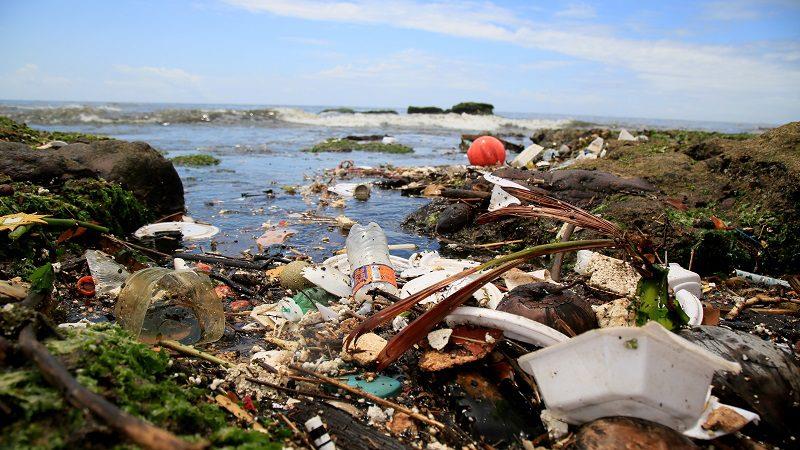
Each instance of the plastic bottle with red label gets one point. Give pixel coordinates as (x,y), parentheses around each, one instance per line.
(368,254)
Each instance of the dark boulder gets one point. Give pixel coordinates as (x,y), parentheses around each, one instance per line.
(473,108)
(454,218)
(425,110)
(136,166)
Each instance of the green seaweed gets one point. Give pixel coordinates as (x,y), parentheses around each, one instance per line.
(13,131)
(197,160)
(143,382)
(346,145)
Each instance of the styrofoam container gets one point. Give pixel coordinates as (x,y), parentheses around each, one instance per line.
(644,372)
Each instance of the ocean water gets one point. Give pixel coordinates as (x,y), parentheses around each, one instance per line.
(260,148)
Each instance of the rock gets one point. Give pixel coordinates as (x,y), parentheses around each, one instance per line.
(769,383)
(136,166)
(454,218)
(630,433)
(551,305)
(365,349)
(425,110)
(6,190)
(473,108)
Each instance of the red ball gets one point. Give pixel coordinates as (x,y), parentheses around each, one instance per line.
(486,151)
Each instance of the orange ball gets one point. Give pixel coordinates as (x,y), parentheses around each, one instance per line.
(486,151)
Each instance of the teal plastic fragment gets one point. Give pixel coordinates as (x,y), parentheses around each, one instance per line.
(381,386)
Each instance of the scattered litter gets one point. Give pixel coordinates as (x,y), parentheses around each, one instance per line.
(158,303)
(438,339)
(761,279)
(190,231)
(319,435)
(527,156)
(108,275)
(624,135)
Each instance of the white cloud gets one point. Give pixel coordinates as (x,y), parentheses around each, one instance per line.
(546,64)
(306,41)
(411,68)
(713,73)
(160,74)
(577,11)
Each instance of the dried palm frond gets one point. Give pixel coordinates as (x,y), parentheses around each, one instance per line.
(637,246)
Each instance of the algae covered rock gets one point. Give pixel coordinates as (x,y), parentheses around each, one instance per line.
(135,166)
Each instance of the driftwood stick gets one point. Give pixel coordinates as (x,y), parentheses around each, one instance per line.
(191,351)
(135,429)
(291,390)
(368,396)
(558,259)
(741,305)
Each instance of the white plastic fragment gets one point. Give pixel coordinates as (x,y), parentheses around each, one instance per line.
(624,135)
(438,339)
(679,278)
(328,278)
(596,146)
(513,326)
(526,156)
(556,429)
(691,305)
(645,372)
(501,199)
(190,230)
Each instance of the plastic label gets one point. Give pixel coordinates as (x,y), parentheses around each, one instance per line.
(372,273)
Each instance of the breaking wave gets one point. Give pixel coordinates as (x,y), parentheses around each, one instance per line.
(77,114)
(449,121)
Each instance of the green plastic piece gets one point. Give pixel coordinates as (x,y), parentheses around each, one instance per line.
(652,297)
(381,386)
(306,298)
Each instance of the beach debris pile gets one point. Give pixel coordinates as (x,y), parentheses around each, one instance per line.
(586,339)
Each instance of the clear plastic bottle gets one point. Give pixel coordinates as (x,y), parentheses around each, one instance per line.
(368,254)
(181,305)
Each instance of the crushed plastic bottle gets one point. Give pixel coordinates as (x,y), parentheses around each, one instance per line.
(181,305)
(107,274)
(368,255)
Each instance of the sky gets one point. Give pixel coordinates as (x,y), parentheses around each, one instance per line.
(733,61)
